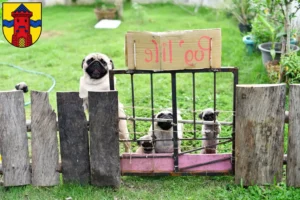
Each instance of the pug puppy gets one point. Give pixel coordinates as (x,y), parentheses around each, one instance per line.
(22,86)
(164,130)
(145,147)
(210,132)
(95,77)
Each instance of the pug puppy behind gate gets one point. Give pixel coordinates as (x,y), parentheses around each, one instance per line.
(164,130)
(96,68)
(145,145)
(210,132)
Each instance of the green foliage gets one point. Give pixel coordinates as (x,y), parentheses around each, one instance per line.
(160,188)
(242,10)
(140,12)
(268,23)
(291,66)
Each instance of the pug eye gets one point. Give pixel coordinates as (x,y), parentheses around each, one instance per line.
(89,61)
(103,62)
(160,115)
(170,115)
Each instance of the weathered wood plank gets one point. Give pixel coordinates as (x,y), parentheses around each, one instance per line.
(13,139)
(259,134)
(73,132)
(44,143)
(104,138)
(293,160)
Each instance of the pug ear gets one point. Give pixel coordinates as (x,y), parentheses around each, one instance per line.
(17,86)
(82,63)
(112,64)
(217,113)
(201,115)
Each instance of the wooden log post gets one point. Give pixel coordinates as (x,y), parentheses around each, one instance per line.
(104,138)
(44,143)
(74,144)
(259,134)
(293,160)
(13,139)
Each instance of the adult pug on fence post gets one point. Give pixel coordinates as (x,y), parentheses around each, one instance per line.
(96,68)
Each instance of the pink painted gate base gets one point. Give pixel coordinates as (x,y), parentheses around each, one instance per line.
(189,164)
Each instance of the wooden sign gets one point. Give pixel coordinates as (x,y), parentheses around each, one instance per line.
(175,50)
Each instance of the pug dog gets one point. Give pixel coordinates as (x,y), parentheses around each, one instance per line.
(210,132)
(22,86)
(145,145)
(164,130)
(95,77)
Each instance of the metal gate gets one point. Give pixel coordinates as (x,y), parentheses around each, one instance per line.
(177,155)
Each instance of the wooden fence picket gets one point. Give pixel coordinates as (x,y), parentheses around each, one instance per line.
(43,141)
(104,138)
(73,132)
(13,139)
(293,160)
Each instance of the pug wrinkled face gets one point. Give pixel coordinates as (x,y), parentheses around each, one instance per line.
(208,115)
(147,146)
(96,68)
(165,125)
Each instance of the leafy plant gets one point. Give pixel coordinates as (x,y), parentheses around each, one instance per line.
(271,30)
(242,10)
(139,12)
(291,66)
(276,15)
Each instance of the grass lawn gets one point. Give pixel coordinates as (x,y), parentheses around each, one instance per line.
(68,35)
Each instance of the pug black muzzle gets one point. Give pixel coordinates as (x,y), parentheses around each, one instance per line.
(96,68)
(165,125)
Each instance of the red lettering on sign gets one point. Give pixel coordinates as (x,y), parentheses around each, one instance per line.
(170,51)
(181,42)
(209,45)
(164,52)
(202,56)
(156,50)
(190,56)
(148,51)
(208,41)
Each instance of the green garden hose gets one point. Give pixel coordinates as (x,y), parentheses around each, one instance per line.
(33,72)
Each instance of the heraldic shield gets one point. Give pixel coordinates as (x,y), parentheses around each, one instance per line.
(22,23)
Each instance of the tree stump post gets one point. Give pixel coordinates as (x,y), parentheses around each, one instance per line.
(104,138)
(13,139)
(259,134)
(293,160)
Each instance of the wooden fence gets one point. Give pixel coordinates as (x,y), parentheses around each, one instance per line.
(94,158)
(259,138)
(97,163)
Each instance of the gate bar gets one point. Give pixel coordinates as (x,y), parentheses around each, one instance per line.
(175,123)
(133,106)
(236,80)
